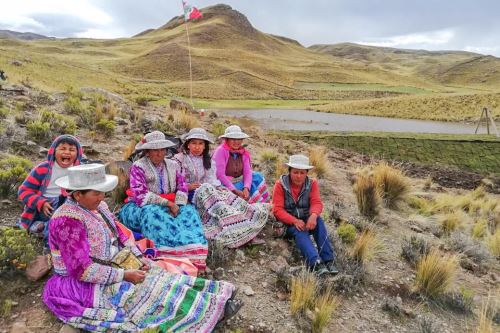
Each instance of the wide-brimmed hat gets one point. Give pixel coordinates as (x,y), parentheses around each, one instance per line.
(154,140)
(234,132)
(299,162)
(197,133)
(88,177)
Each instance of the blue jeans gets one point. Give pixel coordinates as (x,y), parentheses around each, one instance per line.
(324,251)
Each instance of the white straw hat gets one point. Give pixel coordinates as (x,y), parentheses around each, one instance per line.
(234,132)
(88,177)
(197,133)
(154,140)
(299,162)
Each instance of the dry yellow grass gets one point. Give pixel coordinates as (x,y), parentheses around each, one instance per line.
(392,183)
(303,291)
(451,221)
(184,121)
(485,323)
(318,157)
(493,243)
(422,205)
(479,229)
(325,305)
(367,195)
(435,273)
(365,246)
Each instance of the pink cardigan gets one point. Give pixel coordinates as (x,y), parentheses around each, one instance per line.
(220,158)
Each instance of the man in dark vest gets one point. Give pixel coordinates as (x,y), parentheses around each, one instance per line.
(297,203)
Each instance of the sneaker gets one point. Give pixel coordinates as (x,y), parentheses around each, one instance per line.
(332,268)
(320,269)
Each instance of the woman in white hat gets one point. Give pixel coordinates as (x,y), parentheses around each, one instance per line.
(297,203)
(93,289)
(157,207)
(234,169)
(226,218)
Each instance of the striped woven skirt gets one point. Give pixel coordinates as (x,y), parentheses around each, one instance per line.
(258,189)
(180,236)
(169,302)
(228,218)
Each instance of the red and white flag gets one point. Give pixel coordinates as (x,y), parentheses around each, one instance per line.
(190,12)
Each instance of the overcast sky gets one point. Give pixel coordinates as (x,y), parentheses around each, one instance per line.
(421,24)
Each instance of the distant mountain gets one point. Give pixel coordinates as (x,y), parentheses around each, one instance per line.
(21,35)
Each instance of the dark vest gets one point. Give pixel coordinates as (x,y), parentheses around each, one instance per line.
(299,209)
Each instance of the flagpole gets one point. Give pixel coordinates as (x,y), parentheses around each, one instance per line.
(190,66)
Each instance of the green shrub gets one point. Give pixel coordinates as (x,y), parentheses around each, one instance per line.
(3,112)
(17,248)
(218,129)
(38,131)
(73,105)
(106,127)
(72,92)
(13,170)
(347,232)
(59,124)
(142,100)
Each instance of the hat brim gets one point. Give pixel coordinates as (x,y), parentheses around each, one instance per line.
(160,144)
(197,136)
(300,166)
(108,185)
(234,136)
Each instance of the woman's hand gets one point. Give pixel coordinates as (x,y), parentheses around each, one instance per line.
(300,225)
(193,186)
(311,222)
(146,265)
(246,194)
(173,208)
(134,276)
(47,209)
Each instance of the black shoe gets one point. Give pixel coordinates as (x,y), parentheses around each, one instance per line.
(320,269)
(332,268)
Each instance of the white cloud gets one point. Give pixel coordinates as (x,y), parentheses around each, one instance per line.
(433,38)
(99,33)
(484,49)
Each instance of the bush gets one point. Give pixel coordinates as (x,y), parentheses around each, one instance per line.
(17,249)
(414,248)
(73,105)
(303,289)
(451,221)
(422,205)
(183,121)
(59,124)
(269,164)
(392,184)
(365,246)
(106,127)
(39,131)
(13,171)
(435,273)
(318,157)
(347,232)
(367,196)
(218,129)
(325,305)
(479,229)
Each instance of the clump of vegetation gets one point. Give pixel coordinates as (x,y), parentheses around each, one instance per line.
(49,125)
(3,112)
(493,243)
(451,221)
(218,254)
(13,170)
(17,249)
(365,246)
(119,169)
(347,232)
(39,131)
(392,184)
(435,273)
(367,195)
(303,288)
(183,121)
(143,100)
(325,305)
(270,164)
(459,242)
(5,308)
(414,248)
(318,157)
(479,229)
(485,323)
(106,127)
(73,105)
(426,325)
(461,301)
(217,129)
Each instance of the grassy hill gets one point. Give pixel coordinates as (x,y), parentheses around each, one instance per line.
(231,60)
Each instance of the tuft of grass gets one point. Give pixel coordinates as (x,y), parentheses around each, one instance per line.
(303,288)
(422,205)
(347,232)
(106,127)
(13,170)
(6,308)
(426,325)
(479,229)
(121,170)
(218,254)
(451,221)
(485,323)
(325,305)
(183,121)
(269,161)
(318,157)
(218,129)
(365,246)
(367,196)
(493,243)
(435,273)
(414,248)
(393,185)
(461,301)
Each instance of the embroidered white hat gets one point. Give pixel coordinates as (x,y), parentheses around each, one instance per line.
(88,177)
(299,162)
(234,132)
(154,140)
(197,133)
